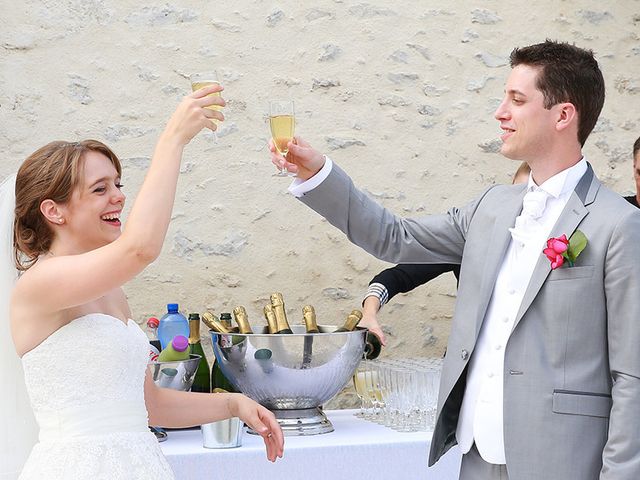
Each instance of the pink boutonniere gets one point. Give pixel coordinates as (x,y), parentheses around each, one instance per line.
(560,249)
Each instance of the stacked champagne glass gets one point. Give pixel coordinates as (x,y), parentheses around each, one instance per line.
(400,393)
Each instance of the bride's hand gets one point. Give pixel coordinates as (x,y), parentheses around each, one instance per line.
(261,421)
(192,114)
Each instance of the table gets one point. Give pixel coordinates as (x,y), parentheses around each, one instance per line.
(356,450)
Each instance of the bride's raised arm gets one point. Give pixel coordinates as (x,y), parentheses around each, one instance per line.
(74,242)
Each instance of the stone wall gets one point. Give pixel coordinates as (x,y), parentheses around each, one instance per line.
(400,94)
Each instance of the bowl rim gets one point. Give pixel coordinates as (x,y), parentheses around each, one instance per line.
(303,334)
(192,356)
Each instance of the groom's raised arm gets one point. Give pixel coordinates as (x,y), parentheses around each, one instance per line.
(429,239)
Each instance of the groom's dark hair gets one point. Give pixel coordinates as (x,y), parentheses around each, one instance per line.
(567,74)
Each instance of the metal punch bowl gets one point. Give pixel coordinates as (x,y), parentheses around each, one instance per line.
(291,374)
(177,375)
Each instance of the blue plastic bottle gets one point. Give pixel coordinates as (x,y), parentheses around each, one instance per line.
(172,323)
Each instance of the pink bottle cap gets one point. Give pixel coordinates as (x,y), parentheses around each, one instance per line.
(180,343)
(153,322)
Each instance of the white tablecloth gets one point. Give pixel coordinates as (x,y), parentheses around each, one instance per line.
(356,450)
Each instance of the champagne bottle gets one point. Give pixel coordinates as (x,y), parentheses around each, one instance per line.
(277,303)
(214,323)
(242,320)
(271,318)
(372,347)
(202,380)
(178,349)
(352,322)
(218,380)
(225,318)
(309,315)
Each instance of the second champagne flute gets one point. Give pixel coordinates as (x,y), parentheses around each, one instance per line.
(283,123)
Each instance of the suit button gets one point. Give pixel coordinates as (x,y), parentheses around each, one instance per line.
(464,354)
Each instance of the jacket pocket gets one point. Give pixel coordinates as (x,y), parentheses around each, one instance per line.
(567,272)
(582,403)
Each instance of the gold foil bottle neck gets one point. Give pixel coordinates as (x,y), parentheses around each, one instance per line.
(194,328)
(277,299)
(214,323)
(309,316)
(352,321)
(240,310)
(225,318)
(277,303)
(271,318)
(240,314)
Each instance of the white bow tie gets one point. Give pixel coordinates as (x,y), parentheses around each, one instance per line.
(533,205)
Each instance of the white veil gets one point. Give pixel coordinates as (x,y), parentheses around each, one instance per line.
(18,429)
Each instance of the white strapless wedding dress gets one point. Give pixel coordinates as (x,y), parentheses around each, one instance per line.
(86,385)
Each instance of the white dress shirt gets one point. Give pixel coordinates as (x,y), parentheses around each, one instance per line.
(482,405)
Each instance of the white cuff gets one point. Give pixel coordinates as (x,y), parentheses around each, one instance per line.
(299,187)
(377,290)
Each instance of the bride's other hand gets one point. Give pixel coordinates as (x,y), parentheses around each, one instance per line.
(262,421)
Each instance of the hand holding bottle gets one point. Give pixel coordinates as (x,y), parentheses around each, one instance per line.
(302,159)
(370,308)
(261,421)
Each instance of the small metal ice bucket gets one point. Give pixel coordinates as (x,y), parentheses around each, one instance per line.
(223,433)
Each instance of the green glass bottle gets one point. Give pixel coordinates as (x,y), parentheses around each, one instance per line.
(218,380)
(202,380)
(372,347)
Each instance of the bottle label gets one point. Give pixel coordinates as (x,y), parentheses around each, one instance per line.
(153,353)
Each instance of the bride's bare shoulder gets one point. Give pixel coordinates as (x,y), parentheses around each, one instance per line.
(29,320)
(26,285)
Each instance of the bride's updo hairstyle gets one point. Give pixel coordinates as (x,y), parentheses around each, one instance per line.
(51,172)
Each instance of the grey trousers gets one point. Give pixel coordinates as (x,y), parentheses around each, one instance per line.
(475,468)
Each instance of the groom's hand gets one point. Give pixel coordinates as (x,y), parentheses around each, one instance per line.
(302,159)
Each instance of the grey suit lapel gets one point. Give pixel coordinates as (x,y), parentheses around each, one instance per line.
(567,223)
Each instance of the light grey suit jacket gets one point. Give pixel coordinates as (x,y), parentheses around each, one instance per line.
(572,362)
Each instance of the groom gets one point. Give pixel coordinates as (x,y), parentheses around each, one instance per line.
(542,373)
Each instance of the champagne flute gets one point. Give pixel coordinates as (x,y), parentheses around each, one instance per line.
(360,385)
(282,122)
(205,79)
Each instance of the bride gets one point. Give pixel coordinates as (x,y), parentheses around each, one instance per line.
(84,360)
